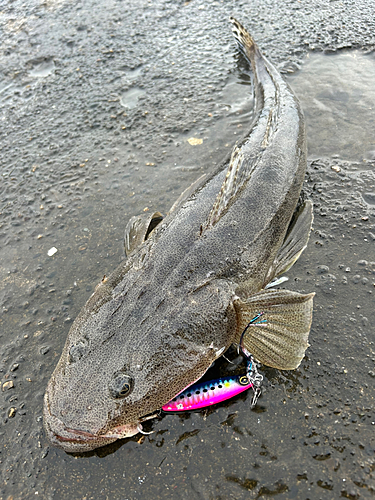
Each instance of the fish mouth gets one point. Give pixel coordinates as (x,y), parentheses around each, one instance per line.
(78,440)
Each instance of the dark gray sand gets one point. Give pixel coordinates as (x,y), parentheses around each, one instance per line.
(98,103)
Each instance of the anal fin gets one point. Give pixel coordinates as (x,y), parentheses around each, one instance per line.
(275,326)
(295,241)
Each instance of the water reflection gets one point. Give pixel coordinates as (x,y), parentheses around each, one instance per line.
(338,98)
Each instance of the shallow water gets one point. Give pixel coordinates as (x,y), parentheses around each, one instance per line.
(338,97)
(76,165)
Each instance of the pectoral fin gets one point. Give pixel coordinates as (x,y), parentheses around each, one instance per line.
(295,241)
(275,326)
(138,230)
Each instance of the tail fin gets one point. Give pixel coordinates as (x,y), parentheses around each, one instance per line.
(244,40)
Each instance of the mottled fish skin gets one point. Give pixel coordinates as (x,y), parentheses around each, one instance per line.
(156,324)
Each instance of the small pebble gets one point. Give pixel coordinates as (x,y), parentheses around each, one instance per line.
(8,385)
(362,262)
(12,411)
(52,251)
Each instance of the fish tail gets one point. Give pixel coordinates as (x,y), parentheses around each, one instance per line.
(244,40)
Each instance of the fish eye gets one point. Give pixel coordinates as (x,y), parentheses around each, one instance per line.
(120,386)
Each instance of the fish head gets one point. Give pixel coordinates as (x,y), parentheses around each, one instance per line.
(113,374)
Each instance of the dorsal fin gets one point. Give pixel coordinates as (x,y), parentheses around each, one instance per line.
(247,155)
(234,180)
(188,191)
(138,230)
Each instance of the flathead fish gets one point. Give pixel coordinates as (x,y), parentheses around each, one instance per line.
(193,282)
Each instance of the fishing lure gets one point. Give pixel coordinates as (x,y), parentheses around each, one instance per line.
(205,394)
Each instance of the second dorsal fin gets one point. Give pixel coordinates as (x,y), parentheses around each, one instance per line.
(234,180)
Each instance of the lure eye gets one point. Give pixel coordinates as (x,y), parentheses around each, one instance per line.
(120,386)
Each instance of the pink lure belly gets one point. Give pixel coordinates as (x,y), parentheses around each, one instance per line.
(208,393)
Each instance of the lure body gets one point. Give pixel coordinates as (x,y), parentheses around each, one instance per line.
(205,394)
(208,393)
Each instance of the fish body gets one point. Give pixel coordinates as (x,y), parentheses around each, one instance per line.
(193,282)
